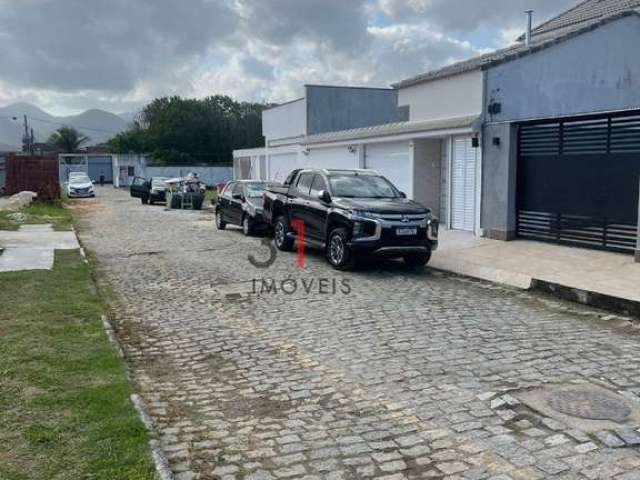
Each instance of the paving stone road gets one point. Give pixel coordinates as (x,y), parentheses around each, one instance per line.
(394,375)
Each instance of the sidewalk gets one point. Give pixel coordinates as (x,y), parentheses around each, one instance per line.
(610,280)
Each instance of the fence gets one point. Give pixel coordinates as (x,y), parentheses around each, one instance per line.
(211,175)
(638,240)
(3,159)
(33,173)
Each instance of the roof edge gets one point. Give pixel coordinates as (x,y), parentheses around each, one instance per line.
(542,45)
(537,27)
(408,127)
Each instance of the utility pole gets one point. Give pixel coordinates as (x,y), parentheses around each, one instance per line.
(28,138)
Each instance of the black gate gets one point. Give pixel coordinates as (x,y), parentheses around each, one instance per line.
(578,181)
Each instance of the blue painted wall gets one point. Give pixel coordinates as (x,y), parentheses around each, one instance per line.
(596,71)
(331,109)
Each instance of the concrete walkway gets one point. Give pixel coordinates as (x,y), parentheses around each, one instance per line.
(521,263)
(32,247)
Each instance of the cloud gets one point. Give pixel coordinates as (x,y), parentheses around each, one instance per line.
(470,15)
(72,45)
(69,55)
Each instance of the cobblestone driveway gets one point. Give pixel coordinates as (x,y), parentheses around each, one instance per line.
(410,375)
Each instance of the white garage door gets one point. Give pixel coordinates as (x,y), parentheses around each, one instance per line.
(392,161)
(463,184)
(334,157)
(281,165)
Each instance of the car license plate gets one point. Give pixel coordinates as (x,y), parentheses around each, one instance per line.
(406,232)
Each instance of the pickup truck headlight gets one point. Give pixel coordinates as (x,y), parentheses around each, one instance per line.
(433,225)
(363,229)
(364,214)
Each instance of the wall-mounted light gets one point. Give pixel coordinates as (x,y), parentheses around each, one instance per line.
(306,151)
(494,108)
(496,141)
(475,142)
(352,149)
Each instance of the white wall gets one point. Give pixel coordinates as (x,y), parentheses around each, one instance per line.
(280,165)
(332,157)
(208,174)
(450,97)
(285,121)
(393,161)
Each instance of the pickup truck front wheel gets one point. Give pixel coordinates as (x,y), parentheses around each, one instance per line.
(418,260)
(280,235)
(247,226)
(220,223)
(338,252)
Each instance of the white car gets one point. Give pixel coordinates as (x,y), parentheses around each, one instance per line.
(80,186)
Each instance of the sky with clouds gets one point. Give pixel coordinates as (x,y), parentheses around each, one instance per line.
(69,55)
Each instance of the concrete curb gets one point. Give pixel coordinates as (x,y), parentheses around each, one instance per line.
(482,272)
(610,303)
(521,281)
(160,461)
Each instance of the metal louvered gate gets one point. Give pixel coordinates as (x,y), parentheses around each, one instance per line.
(578,181)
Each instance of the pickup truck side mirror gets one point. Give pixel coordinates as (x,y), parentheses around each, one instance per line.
(324,196)
(403,195)
(237,196)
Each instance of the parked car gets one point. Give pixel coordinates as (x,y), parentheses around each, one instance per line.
(149,190)
(350,213)
(80,186)
(76,174)
(240,203)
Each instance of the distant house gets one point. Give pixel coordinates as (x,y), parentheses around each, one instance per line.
(540,140)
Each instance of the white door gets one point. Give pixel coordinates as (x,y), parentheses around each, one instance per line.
(463,184)
(391,160)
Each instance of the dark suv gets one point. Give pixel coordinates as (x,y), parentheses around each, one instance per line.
(148,190)
(240,203)
(350,213)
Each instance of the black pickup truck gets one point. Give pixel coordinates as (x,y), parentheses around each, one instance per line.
(350,213)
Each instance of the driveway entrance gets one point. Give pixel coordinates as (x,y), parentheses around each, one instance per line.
(578,181)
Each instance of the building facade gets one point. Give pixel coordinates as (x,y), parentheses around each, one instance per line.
(540,140)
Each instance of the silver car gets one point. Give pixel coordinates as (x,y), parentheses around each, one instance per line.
(80,186)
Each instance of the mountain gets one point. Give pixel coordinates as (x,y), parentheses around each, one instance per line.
(128,117)
(98,125)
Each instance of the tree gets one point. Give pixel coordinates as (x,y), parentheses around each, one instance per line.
(67,140)
(133,140)
(193,131)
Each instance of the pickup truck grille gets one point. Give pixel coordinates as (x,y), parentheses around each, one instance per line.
(398,217)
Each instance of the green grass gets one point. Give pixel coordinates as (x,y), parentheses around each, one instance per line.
(64,399)
(38,212)
(211,195)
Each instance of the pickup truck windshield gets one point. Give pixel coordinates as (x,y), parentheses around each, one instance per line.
(255,189)
(362,186)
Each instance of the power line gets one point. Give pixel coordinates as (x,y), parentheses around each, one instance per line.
(63,124)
